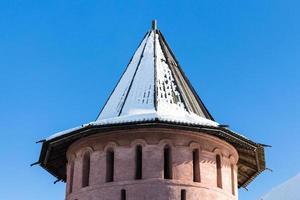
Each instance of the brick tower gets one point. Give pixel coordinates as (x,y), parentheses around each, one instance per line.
(153,140)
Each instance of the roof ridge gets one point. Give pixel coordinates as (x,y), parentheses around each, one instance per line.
(145,35)
(140,59)
(154,84)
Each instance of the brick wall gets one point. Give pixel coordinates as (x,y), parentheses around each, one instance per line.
(152,186)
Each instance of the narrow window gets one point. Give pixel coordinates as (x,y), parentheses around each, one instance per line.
(86,170)
(183,195)
(167,163)
(232,180)
(110,165)
(219,171)
(123,194)
(196,166)
(71,178)
(138,162)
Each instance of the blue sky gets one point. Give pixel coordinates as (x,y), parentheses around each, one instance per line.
(59,61)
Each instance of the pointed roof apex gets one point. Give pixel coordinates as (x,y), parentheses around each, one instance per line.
(154,24)
(154,88)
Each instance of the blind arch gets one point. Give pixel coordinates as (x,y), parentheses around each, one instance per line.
(110,165)
(86,169)
(167,162)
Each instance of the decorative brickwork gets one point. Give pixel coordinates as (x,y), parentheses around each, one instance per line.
(152,186)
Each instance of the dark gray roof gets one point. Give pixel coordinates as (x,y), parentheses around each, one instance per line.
(152,85)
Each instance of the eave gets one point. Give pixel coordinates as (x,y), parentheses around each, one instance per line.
(251,163)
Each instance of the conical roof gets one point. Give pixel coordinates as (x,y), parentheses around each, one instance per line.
(153,92)
(154,87)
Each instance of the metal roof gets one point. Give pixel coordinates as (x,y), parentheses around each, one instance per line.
(154,91)
(153,86)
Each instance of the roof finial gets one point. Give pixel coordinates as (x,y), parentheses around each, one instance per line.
(154,24)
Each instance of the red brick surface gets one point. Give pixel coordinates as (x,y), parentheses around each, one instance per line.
(152,186)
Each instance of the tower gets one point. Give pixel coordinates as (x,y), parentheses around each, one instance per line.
(154,139)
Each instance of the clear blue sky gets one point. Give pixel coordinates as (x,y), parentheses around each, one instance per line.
(59,61)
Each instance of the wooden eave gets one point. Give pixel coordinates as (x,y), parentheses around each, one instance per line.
(251,162)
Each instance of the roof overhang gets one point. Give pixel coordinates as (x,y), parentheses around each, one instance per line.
(251,155)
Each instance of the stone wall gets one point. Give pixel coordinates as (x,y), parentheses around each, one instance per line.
(152,186)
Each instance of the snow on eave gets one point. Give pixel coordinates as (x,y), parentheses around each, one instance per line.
(61,133)
(134,119)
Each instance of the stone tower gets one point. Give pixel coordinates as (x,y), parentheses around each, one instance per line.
(153,140)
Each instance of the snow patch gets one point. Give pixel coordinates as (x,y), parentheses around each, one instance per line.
(133,99)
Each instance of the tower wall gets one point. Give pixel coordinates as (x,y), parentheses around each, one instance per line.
(153,185)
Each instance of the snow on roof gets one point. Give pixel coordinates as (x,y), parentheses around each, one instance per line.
(149,88)
(181,118)
(153,87)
